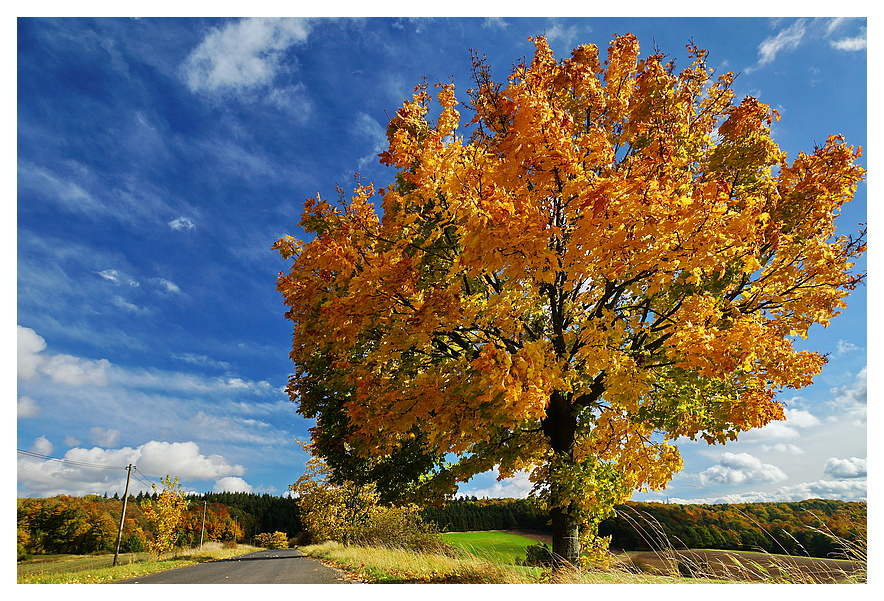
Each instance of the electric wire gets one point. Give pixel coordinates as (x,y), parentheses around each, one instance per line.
(103,466)
(146,480)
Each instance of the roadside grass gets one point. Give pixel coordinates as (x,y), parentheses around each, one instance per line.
(471,565)
(97,569)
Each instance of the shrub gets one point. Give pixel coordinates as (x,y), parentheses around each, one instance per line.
(538,555)
(277,540)
(400,528)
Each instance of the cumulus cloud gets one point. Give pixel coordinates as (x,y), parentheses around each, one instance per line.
(30,345)
(232,484)
(42,446)
(852,467)
(740,468)
(27,407)
(98,470)
(62,369)
(517,487)
(66,369)
(242,54)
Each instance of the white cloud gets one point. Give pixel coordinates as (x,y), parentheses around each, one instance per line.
(783,448)
(42,446)
(787,39)
(368,128)
(232,484)
(104,437)
(850,400)
(854,44)
(166,285)
(118,278)
(73,371)
(27,407)
(183,459)
(242,54)
(845,347)
(739,469)
(99,470)
(30,344)
(122,303)
(182,223)
(777,432)
(853,467)
(494,22)
(62,369)
(517,487)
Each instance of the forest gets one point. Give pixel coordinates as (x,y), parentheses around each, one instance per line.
(89,524)
(816,528)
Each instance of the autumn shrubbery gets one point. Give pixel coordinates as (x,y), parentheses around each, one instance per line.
(276,540)
(400,528)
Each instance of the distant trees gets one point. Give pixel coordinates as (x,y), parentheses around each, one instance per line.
(65,524)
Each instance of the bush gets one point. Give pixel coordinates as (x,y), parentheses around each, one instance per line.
(538,555)
(277,540)
(400,528)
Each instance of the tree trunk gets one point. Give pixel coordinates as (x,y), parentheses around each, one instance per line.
(559,425)
(565,540)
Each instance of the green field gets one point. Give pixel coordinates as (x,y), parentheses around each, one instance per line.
(500,547)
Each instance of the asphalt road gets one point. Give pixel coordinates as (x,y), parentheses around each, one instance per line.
(277,566)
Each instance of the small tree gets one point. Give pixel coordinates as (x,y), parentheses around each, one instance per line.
(165,515)
(331,511)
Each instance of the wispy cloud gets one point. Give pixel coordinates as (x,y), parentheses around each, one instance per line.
(242,54)
(785,40)
(182,223)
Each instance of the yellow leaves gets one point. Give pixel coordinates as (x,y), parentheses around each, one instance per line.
(596,244)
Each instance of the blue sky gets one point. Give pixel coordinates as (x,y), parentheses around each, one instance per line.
(159,159)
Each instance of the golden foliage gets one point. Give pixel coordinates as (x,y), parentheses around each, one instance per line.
(617,256)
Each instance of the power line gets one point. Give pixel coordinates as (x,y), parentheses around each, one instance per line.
(71,461)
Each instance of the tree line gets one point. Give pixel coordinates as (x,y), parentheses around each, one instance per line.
(817,527)
(89,524)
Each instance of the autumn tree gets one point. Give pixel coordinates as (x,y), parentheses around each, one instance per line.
(609,255)
(166,515)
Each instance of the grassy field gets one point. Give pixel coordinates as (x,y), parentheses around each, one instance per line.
(98,569)
(500,547)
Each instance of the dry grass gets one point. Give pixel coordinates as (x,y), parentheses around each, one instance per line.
(98,569)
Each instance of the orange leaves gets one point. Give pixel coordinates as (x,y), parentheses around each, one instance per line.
(593,273)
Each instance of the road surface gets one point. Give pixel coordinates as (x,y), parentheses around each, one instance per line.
(276,566)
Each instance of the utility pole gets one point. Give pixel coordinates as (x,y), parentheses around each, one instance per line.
(129,469)
(203,527)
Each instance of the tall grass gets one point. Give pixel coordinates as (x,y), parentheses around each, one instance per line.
(671,557)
